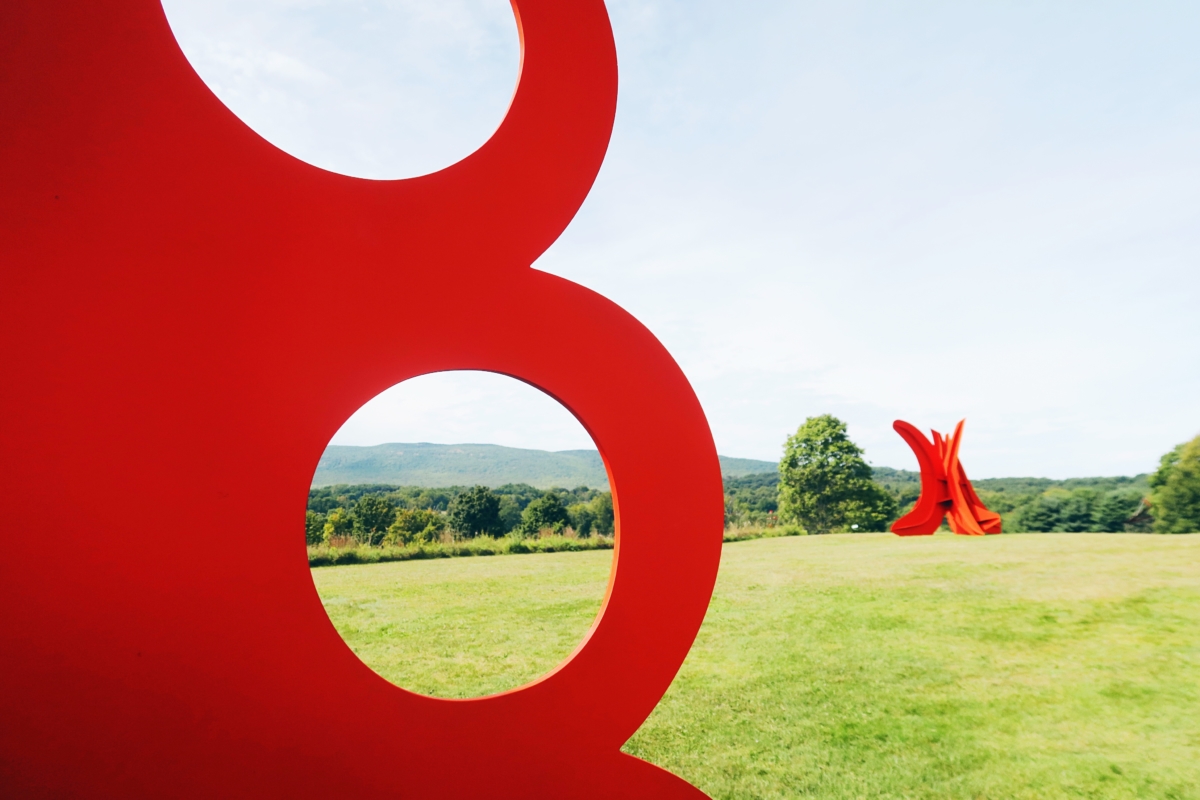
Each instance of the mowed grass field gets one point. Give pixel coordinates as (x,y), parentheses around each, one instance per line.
(1016,666)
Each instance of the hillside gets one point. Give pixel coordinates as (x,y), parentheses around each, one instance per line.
(439,465)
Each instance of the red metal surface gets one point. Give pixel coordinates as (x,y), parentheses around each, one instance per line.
(946,493)
(188,314)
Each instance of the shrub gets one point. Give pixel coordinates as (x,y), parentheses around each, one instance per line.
(744,533)
(326,555)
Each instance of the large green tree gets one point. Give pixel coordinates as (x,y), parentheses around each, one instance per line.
(824,483)
(1176,485)
(373,513)
(339,524)
(545,513)
(415,525)
(595,517)
(314,527)
(476,511)
(603,516)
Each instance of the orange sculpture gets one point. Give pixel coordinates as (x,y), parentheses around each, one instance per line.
(945,490)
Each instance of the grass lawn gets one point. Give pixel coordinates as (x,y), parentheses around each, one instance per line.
(1023,666)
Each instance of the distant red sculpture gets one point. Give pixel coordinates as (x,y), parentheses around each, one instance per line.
(187,315)
(945,491)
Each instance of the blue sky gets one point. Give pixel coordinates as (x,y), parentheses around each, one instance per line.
(924,211)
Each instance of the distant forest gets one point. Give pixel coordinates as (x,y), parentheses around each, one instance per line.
(414,513)
(1033,505)
(399,515)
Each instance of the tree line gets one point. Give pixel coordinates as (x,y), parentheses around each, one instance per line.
(824,485)
(381,514)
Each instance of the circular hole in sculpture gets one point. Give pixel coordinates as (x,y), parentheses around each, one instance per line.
(372,90)
(460,531)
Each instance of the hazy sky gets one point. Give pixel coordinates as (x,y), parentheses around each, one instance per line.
(919,210)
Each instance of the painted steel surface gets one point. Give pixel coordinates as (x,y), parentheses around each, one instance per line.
(946,493)
(187,316)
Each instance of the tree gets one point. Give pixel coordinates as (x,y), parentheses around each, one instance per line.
(1039,515)
(1176,485)
(373,514)
(314,527)
(415,525)
(824,483)
(1075,513)
(751,499)
(1114,511)
(582,519)
(510,512)
(594,517)
(547,512)
(603,517)
(476,511)
(339,524)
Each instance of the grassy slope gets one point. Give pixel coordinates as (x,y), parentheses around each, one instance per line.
(855,666)
(440,465)
(474,627)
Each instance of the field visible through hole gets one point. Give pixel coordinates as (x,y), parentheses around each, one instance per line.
(465,627)
(453,568)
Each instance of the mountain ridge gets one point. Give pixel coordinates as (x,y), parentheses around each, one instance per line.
(440,465)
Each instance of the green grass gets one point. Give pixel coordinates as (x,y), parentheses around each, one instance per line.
(465,627)
(1023,666)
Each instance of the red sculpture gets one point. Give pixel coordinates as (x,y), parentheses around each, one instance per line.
(187,315)
(945,490)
